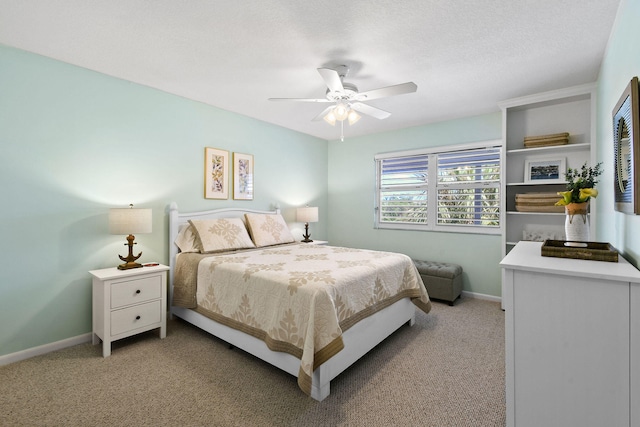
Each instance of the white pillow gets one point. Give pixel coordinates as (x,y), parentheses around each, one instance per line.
(268,229)
(222,234)
(187,240)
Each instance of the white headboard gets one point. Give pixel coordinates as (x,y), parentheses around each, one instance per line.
(176,219)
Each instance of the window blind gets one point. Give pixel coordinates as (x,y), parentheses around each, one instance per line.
(403,189)
(468,188)
(443,190)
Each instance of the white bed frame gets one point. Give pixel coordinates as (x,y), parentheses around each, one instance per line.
(358,340)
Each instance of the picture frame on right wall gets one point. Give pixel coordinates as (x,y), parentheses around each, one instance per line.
(626,126)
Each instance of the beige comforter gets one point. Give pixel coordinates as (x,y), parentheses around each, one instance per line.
(298,298)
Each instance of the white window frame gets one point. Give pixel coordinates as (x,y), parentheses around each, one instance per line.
(432,190)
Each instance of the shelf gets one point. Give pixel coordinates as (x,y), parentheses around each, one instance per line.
(552,149)
(535,213)
(535,184)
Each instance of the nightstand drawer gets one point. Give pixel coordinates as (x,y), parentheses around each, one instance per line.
(135,291)
(139,316)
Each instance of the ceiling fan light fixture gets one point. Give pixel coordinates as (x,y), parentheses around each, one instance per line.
(341,111)
(330,118)
(348,100)
(353,117)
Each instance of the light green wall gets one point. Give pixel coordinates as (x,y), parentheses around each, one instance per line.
(621,63)
(351,201)
(75,143)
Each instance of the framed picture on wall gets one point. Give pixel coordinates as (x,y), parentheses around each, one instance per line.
(216,173)
(626,128)
(242,176)
(545,170)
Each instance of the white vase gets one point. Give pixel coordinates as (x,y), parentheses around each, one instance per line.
(576,223)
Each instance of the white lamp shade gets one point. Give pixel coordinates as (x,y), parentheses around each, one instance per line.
(330,118)
(341,111)
(307,214)
(129,221)
(353,117)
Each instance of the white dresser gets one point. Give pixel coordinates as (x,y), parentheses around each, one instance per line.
(572,334)
(127,302)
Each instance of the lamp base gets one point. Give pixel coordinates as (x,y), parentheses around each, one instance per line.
(130,260)
(128,265)
(306,234)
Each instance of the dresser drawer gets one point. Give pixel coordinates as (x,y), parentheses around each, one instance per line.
(132,318)
(135,291)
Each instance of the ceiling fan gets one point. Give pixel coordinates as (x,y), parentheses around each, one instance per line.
(347,101)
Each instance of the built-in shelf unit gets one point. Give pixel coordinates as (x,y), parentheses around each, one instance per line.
(569,110)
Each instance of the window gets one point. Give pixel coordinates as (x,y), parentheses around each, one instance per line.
(456,190)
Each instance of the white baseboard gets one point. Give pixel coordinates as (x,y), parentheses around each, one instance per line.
(481,296)
(81,339)
(43,349)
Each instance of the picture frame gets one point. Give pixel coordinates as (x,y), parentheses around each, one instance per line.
(545,170)
(626,152)
(216,173)
(243,178)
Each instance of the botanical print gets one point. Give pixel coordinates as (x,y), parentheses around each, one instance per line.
(216,167)
(217,174)
(242,176)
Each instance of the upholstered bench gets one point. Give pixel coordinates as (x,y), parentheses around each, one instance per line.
(442,280)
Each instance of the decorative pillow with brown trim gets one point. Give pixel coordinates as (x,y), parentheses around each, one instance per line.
(268,229)
(222,234)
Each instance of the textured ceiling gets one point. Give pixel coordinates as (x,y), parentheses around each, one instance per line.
(465,56)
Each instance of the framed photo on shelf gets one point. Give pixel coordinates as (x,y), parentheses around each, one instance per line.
(626,150)
(545,170)
(242,176)
(216,173)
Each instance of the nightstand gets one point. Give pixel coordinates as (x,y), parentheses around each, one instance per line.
(128,302)
(319,242)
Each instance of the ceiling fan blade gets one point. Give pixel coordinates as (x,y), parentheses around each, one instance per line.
(300,99)
(321,115)
(370,111)
(384,92)
(331,79)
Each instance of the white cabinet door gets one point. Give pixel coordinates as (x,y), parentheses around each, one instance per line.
(571,350)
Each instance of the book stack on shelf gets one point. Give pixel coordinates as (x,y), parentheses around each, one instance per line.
(546,140)
(538,202)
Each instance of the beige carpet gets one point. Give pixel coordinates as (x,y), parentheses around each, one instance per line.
(446,370)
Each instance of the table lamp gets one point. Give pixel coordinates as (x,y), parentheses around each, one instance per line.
(307,215)
(128,221)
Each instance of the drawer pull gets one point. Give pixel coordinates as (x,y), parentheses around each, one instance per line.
(138,291)
(137,317)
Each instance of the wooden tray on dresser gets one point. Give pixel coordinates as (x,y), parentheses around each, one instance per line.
(594,251)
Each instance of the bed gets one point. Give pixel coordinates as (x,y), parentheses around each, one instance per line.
(310,310)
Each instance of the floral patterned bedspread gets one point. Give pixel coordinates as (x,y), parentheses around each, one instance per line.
(300,298)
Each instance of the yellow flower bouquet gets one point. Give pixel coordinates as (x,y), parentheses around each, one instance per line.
(580,185)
